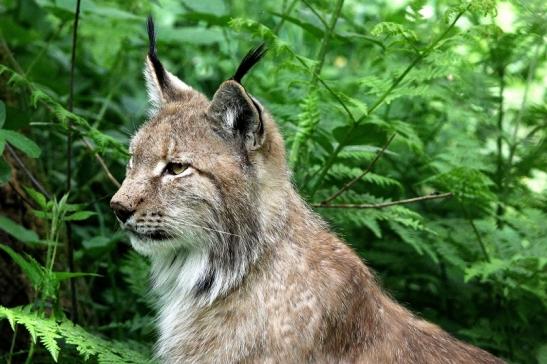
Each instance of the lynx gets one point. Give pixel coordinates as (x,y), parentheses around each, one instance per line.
(243,270)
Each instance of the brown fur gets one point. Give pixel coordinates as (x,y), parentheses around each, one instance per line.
(249,273)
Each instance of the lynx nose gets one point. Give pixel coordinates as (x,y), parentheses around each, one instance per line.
(122,212)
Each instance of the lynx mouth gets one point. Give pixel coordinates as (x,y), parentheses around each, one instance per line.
(157,235)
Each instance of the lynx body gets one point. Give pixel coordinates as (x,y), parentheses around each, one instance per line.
(244,270)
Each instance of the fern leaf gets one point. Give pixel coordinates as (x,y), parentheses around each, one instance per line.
(88,345)
(38,95)
(392,29)
(307,121)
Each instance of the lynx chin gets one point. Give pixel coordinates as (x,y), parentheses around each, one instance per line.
(244,271)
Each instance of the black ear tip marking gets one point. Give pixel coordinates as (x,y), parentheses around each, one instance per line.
(251,58)
(151,36)
(152,56)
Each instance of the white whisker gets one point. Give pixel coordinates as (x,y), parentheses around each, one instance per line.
(184,223)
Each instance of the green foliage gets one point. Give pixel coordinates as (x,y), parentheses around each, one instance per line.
(20,142)
(17,231)
(50,331)
(460,85)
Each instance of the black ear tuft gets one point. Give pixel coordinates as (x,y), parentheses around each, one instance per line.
(251,58)
(158,67)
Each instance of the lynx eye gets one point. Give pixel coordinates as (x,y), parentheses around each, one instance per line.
(176,168)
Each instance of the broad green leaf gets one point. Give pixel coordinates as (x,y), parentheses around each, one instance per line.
(63,202)
(542,354)
(366,134)
(39,198)
(46,215)
(30,267)
(17,231)
(21,142)
(97,242)
(70,207)
(80,215)
(61,276)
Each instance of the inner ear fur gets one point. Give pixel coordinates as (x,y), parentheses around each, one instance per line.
(238,113)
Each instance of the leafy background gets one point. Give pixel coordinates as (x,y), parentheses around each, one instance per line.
(406,98)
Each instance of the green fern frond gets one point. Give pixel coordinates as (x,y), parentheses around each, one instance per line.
(414,239)
(135,269)
(308,119)
(38,95)
(391,29)
(470,186)
(44,329)
(344,172)
(262,32)
(88,345)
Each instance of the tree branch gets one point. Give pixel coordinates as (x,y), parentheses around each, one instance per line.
(21,195)
(102,163)
(365,172)
(27,171)
(432,196)
(476,232)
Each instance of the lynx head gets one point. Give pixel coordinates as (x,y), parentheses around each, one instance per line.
(203,173)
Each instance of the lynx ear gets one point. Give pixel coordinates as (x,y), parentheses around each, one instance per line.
(237,111)
(162,86)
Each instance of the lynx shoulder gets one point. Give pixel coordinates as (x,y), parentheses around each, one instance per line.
(244,270)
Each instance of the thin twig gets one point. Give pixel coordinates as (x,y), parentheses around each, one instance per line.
(316,13)
(328,88)
(70,107)
(476,232)
(432,196)
(294,153)
(102,163)
(9,55)
(27,171)
(365,172)
(21,196)
(44,49)
(34,181)
(329,30)
(286,13)
(499,142)
(12,346)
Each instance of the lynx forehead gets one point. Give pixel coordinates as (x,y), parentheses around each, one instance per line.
(243,270)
